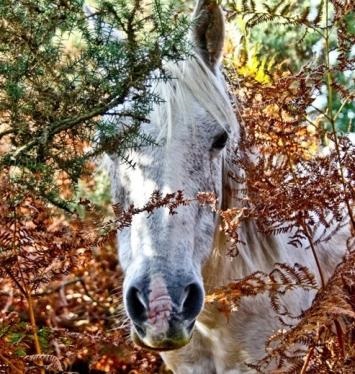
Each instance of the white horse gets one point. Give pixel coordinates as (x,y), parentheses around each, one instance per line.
(171,261)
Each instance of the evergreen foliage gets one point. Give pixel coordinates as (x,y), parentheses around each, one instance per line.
(59,74)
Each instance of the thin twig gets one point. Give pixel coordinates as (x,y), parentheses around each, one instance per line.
(310,240)
(27,294)
(34,329)
(304,224)
(306,362)
(340,336)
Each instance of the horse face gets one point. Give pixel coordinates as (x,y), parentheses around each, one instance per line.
(162,254)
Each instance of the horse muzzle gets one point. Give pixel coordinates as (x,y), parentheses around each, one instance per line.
(175,337)
(163,311)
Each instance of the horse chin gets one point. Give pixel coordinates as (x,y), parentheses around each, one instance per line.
(161,345)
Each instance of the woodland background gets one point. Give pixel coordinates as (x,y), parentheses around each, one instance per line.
(290,68)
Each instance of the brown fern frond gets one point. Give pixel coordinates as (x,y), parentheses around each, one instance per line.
(279,281)
(326,329)
(50,362)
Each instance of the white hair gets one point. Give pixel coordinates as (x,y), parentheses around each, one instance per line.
(192,77)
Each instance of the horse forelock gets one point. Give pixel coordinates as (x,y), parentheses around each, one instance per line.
(192,78)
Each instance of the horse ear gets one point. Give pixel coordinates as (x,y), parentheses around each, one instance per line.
(208,31)
(97,25)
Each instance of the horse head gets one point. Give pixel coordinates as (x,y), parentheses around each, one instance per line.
(162,255)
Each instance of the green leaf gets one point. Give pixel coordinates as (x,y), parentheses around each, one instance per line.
(20,351)
(16,337)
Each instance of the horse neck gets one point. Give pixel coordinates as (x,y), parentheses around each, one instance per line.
(259,252)
(255,250)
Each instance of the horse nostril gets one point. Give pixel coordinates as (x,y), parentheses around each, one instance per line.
(136,306)
(193,301)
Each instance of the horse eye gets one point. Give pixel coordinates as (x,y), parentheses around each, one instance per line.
(220,141)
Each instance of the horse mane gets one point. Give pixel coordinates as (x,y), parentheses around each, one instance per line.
(187,79)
